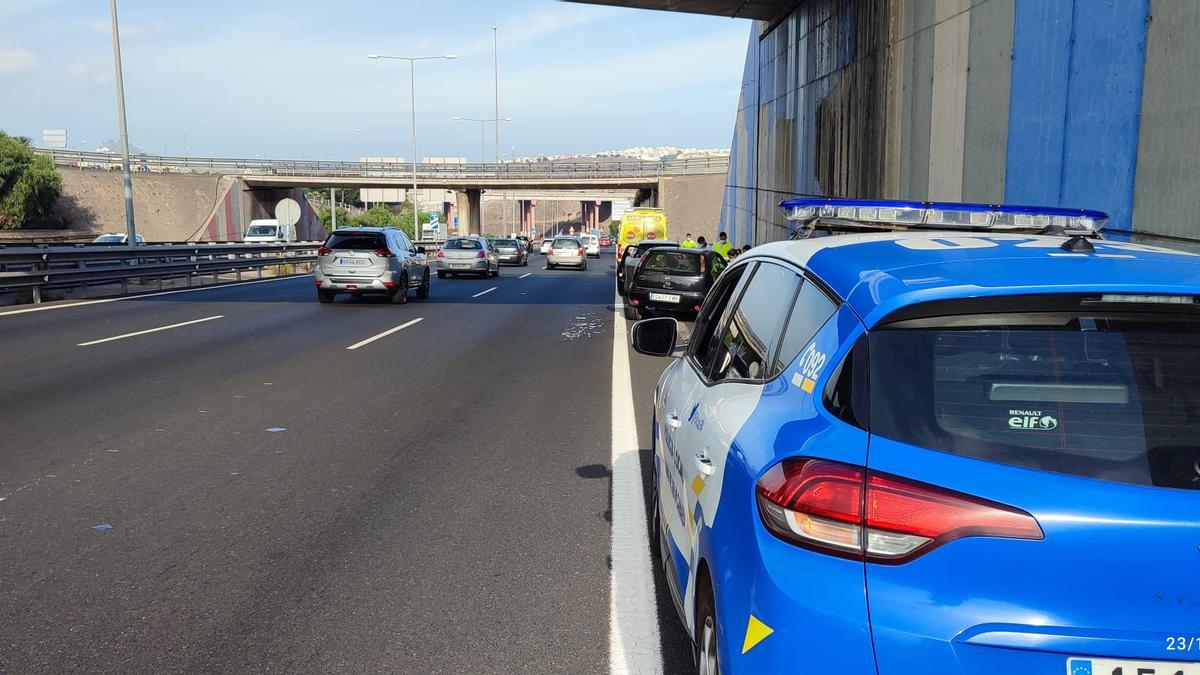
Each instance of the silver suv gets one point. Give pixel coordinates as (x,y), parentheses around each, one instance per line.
(362,260)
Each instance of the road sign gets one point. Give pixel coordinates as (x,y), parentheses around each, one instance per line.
(54,138)
(433,218)
(287,212)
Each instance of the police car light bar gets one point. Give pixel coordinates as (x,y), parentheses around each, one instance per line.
(892,214)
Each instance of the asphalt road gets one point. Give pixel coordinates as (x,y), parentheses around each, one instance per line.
(434,501)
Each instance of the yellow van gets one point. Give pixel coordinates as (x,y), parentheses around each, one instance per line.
(638,224)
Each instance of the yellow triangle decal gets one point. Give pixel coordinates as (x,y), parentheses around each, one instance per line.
(697,485)
(756,632)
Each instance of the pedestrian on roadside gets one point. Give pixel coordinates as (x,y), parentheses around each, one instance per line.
(701,244)
(688,242)
(746,248)
(723,246)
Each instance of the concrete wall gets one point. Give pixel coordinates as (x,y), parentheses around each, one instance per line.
(1168,161)
(167,207)
(692,204)
(1089,103)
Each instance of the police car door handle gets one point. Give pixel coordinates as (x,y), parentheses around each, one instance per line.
(704,464)
(673,420)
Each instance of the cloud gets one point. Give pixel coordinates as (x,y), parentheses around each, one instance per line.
(96,77)
(13,61)
(129,30)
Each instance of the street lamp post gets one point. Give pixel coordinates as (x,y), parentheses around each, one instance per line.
(126,177)
(482,123)
(412,71)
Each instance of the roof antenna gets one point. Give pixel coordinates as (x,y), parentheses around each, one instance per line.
(1078,244)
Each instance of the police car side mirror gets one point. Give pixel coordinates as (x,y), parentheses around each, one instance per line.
(656,337)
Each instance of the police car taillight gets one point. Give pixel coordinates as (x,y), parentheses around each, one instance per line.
(846,510)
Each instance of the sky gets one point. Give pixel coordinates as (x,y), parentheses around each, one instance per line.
(291,79)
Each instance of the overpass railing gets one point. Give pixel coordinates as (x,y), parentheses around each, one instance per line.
(601,168)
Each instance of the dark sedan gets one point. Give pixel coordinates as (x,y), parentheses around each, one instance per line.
(672,281)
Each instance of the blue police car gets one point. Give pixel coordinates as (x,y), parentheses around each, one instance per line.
(964,439)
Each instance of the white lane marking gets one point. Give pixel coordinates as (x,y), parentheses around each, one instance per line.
(485,292)
(151,330)
(527,274)
(633,613)
(83,303)
(385,333)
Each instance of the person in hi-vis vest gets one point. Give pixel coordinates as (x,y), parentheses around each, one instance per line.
(722,246)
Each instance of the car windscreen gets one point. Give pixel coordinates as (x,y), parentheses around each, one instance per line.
(262,230)
(109,239)
(1108,396)
(356,241)
(671,262)
(464,244)
(565,243)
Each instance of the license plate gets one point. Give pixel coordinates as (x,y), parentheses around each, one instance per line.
(1088,666)
(461,265)
(353,261)
(664,297)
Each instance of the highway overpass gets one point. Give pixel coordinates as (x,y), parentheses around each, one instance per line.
(256,185)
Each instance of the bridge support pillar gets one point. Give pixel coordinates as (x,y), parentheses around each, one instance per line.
(528,215)
(449,211)
(470,212)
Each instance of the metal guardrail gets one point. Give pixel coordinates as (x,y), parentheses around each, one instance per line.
(326,168)
(42,266)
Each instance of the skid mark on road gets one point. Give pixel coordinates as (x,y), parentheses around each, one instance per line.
(633,611)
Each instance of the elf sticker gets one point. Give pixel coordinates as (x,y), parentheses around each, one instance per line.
(1031,420)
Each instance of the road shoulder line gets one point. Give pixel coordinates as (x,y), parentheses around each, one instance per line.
(633,612)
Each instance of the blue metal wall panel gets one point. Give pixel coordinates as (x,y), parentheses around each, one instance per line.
(1075,104)
(1104,103)
(1038,101)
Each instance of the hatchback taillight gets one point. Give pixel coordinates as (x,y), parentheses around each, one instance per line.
(481,254)
(324,250)
(441,254)
(846,510)
(581,251)
(383,253)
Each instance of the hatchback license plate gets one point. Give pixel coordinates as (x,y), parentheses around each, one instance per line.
(664,297)
(1088,666)
(461,265)
(353,261)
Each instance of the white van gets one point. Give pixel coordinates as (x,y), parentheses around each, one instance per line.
(269,231)
(592,243)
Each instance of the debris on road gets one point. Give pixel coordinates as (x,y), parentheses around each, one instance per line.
(276,430)
(102,527)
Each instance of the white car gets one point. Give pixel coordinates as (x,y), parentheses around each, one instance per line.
(546,244)
(117,238)
(591,243)
(269,231)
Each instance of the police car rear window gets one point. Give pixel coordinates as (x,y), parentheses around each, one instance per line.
(1108,396)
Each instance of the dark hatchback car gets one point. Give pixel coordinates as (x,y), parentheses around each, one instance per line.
(672,281)
(629,258)
(512,252)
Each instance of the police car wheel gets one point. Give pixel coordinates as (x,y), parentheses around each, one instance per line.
(708,660)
